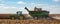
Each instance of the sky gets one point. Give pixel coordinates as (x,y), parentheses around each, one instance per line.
(12,6)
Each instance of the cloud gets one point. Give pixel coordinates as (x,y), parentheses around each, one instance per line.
(2,4)
(56,0)
(11,9)
(4,9)
(21,2)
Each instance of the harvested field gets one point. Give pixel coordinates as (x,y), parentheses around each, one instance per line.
(41,21)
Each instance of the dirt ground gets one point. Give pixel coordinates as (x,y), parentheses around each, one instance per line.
(41,21)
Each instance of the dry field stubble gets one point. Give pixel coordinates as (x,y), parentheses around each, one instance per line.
(41,21)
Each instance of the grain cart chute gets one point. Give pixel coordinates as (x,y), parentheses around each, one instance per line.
(38,12)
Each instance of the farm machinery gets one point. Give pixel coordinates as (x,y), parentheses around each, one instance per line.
(38,13)
(16,16)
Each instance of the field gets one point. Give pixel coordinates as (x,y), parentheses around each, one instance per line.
(41,21)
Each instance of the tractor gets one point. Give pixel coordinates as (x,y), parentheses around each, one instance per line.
(16,16)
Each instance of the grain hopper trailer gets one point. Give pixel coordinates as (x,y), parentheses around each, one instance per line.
(38,13)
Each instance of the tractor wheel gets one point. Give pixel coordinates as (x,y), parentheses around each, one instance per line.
(12,17)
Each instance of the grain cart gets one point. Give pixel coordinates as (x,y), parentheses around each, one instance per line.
(38,13)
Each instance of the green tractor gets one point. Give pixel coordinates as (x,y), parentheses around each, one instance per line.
(16,16)
(38,13)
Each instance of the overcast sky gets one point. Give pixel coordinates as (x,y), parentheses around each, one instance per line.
(12,6)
